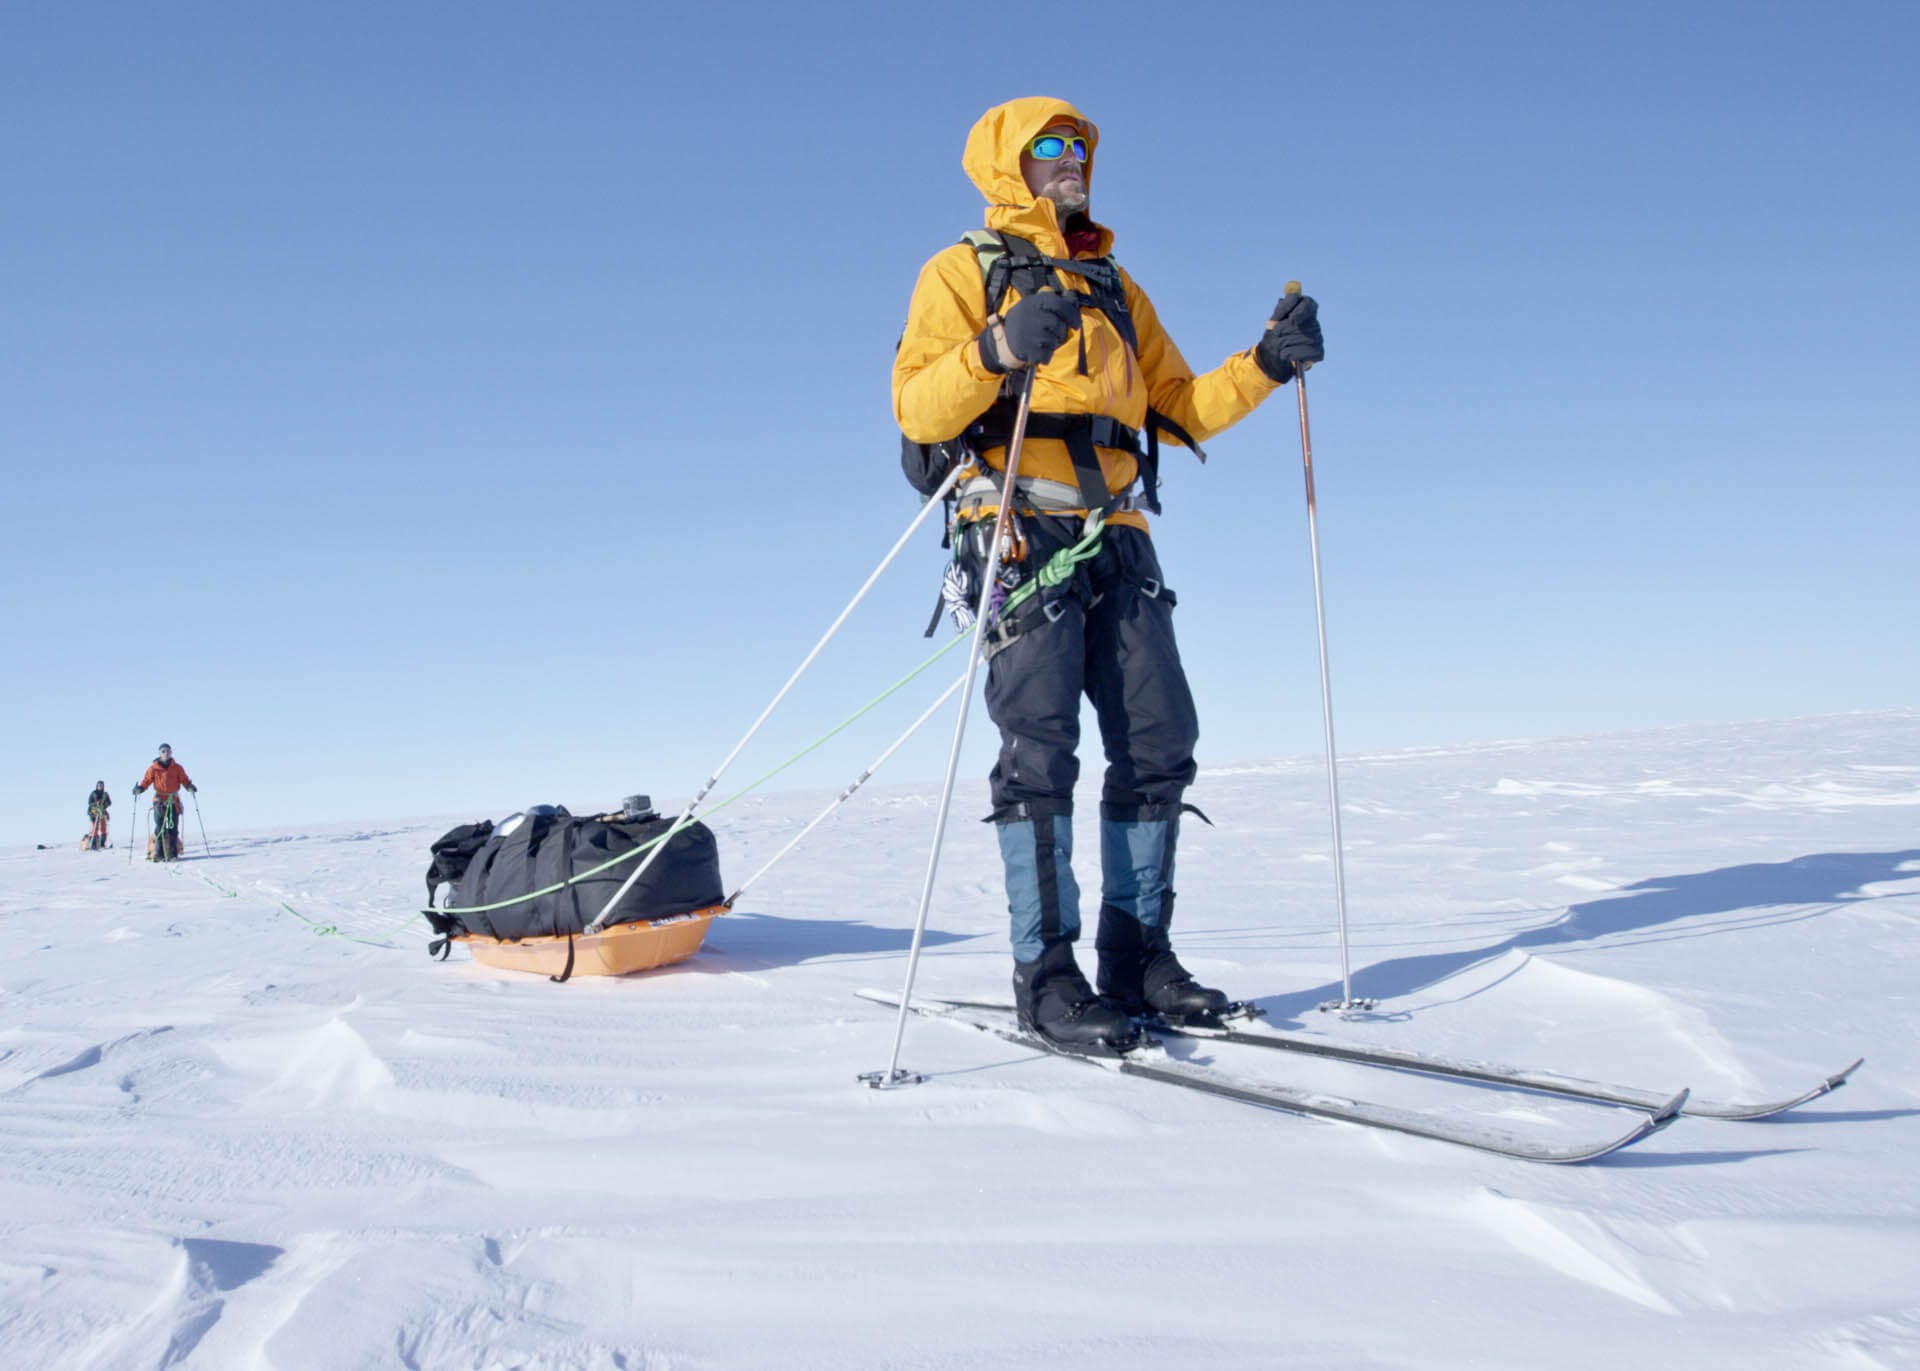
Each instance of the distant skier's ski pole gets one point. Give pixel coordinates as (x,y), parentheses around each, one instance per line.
(989,578)
(133,832)
(1346,1000)
(205,846)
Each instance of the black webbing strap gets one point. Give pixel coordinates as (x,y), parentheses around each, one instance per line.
(1082,434)
(1028,270)
(1087,471)
(1158,423)
(566,972)
(1018,263)
(1047,877)
(996,428)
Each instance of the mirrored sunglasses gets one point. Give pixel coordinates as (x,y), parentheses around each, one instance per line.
(1051,147)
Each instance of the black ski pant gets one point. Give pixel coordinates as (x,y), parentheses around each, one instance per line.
(1106,634)
(166,826)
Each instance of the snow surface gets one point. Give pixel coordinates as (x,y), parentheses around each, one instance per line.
(231,1139)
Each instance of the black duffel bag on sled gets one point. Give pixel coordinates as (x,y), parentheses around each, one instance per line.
(524,891)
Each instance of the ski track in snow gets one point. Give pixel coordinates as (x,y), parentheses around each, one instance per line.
(245,1122)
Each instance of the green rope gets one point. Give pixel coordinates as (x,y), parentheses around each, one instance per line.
(319,929)
(1060,567)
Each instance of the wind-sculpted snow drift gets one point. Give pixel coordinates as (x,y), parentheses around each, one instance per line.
(245,1122)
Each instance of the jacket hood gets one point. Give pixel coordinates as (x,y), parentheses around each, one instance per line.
(992,163)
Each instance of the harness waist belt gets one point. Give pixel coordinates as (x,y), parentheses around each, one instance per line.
(1044,496)
(1082,434)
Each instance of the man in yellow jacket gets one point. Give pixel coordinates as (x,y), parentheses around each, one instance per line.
(1040,293)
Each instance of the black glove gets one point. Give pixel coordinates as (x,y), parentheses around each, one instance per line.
(136,791)
(1292,336)
(1034,329)
(194,788)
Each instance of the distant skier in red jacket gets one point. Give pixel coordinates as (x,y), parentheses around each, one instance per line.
(168,778)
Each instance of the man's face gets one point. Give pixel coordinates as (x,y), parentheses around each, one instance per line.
(1062,180)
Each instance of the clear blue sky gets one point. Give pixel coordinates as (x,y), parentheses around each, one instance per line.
(440,408)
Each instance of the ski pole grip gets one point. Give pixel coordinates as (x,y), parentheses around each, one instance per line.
(1293,288)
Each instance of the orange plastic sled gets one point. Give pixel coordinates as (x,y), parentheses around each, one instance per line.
(619,951)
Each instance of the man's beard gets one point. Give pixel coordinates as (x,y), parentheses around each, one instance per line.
(1069,202)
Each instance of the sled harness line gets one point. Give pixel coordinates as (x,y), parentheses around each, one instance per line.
(1058,568)
(319,929)
(686,820)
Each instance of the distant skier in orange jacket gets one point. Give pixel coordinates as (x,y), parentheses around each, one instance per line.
(168,778)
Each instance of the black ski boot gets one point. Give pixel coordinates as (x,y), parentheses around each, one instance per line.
(1139,973)
(1138,970)
(1055,1002)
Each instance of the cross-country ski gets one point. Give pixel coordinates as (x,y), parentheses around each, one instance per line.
(1151,1065)
(1459,1068)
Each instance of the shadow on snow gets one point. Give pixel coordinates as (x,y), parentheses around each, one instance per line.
(761,942)
(1766,893)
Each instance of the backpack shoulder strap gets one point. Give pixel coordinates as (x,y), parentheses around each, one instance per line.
(995,257)
(1110,292)
(1007,259)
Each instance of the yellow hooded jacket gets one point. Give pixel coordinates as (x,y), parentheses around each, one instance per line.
(940,384)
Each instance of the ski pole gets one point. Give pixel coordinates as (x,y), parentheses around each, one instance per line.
(1346,1002)
(686,815)
(846,794)
(989,578)
(205,846)
(133,832)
